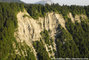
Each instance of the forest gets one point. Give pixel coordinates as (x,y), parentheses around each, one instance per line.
(77,36)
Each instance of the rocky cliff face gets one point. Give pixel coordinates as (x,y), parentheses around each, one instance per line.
(29,29)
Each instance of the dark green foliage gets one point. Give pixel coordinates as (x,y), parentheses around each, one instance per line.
(73,42)
(41,51)
(87,10)
(45,36)
(77,10)
(8,23)
(30,55)
(80,33)
(40,10)
(66,47)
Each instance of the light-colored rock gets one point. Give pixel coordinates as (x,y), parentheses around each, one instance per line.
(77,17)
(29,29)
(71,17)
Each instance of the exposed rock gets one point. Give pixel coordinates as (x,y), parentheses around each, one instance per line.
(29,29)
(77,17)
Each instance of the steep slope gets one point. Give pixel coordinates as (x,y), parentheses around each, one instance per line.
(29,29)
(77,18)
(38,32)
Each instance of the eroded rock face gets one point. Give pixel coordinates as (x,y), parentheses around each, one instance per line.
(77,17)
(29,29)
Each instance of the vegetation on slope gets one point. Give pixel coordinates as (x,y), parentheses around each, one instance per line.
(74,42)
(37,10)
(80,33)
(8,24)
(41,50)
(45,36)
(71,43)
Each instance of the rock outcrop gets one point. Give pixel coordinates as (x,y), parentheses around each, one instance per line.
(29,29)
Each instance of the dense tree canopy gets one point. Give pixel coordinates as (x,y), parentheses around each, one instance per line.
(8,24)
(36,10)
(71,43)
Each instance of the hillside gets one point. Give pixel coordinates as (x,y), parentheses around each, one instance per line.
(38,32)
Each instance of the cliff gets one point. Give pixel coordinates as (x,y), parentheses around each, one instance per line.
(29,29)
(38,32)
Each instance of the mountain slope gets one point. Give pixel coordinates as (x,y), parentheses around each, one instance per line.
(38,32)
(30,30)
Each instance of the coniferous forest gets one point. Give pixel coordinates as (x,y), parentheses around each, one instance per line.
(77,36)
